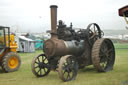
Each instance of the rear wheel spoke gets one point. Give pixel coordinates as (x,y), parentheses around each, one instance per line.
(110,50)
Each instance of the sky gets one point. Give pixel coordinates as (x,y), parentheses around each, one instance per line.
(34,15)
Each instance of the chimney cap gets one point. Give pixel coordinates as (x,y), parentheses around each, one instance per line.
(53,6)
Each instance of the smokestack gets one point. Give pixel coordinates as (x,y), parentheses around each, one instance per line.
(53,21)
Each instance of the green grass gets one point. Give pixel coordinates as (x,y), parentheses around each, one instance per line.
(86,76)
(121,46)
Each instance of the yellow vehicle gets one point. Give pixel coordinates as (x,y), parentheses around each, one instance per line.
(9,60)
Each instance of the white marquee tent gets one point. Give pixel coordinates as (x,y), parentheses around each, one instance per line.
(25,44)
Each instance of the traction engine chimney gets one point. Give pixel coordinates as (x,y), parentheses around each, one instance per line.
(53,21)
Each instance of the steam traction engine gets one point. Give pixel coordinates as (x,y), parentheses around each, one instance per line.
(69,50)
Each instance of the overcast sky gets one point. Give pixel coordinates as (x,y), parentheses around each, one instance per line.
(34,15)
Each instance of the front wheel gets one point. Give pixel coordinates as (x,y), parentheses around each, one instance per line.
(40,66)
(68,68)
(11,62)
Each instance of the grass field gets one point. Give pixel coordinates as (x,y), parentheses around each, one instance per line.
(86,76)
(121,46)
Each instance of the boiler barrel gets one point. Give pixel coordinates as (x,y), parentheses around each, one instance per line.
(57,47)
(75,47)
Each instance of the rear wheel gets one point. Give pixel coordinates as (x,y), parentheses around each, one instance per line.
(11,62)
(103,55)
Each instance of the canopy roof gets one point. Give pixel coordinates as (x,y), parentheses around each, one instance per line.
(123,10)
(26,39)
